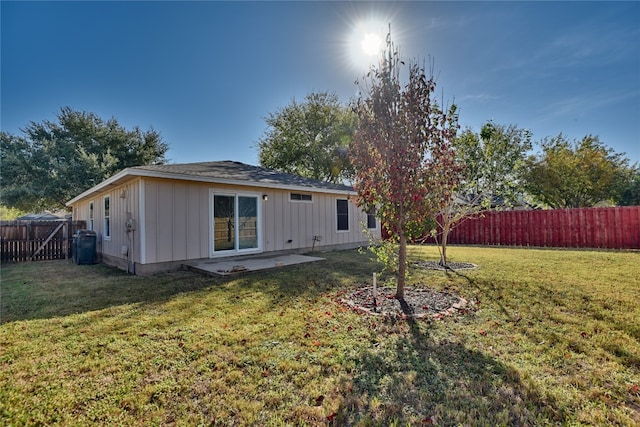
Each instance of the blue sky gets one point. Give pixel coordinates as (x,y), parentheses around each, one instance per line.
(205,74)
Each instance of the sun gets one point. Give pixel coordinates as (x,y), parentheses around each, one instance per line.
(371,44)
(365,43)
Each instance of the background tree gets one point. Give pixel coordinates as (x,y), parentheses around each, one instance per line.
(310,139)
(10,213)
(572,174)
(631,190)
(494,162)
(402,151)
(54,162)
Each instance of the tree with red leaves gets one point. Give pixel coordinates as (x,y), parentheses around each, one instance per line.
(402,151)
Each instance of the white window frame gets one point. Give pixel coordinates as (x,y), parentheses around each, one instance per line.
(91,215)
(106,215)
(236,251)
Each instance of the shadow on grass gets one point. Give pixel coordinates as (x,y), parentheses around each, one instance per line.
(420,381)
(47,289)
(339,270)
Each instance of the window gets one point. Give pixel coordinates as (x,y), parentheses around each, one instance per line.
(371,218)
(300,197)
(342,209)
(107,223)
(90,225)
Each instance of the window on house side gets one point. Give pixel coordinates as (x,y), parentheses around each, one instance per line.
(342,209)
(300,197)
(371,219)
(107,223)
(90,225)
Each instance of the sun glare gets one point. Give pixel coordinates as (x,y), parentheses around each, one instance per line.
(365,43)
(371,44)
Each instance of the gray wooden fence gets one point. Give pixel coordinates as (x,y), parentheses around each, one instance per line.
(37,240)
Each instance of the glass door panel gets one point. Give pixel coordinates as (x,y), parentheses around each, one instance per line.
(224,223)
(247,222)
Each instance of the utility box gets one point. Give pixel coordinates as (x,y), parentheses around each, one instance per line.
(84,247)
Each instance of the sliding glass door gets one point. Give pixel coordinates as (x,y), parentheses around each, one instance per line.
(236,222)
(224,223)
(247,222)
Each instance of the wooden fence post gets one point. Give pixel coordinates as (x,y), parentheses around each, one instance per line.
(65,239)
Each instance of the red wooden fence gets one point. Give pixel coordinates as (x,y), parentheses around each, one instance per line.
(611,228)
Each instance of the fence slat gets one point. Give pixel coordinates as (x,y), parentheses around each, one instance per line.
(611,228)
(19,240)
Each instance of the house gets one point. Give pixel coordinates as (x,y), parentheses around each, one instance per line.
(154,218)
(43,216)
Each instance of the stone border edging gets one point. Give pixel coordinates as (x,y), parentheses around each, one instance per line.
(455,308)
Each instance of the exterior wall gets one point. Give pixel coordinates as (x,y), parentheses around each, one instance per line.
(173,222)
(123,205)
(176,220)
(291,225)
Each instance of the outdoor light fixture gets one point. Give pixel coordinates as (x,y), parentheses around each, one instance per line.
(265,197)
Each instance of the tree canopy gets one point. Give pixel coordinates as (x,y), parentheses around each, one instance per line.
(402,151)
(631,191)
(576,174)
(52,162)
(310,138)
(494,164)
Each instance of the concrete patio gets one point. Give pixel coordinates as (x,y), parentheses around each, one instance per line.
(225,267)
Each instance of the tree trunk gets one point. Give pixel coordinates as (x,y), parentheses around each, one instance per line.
(443,243)
(402,266)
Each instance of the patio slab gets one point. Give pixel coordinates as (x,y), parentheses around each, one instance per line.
(225,267)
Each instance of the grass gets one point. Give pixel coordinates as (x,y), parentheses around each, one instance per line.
(554,340)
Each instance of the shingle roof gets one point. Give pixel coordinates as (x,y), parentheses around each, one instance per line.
(42,216)
(236,171)
(226,172)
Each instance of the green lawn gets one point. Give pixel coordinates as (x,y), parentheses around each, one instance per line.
(554,339)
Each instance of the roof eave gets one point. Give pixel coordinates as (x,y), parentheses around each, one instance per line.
(120,176)
(130,173)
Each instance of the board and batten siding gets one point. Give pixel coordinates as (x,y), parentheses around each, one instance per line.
(285,220)
(177,217)
(123,205)
(176,220)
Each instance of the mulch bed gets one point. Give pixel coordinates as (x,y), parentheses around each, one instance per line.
(418,302)
(455,266)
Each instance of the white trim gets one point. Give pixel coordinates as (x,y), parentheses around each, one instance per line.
(142,235)
(211,222)
(129,172)
(106,236)
(259,221)
(92,215)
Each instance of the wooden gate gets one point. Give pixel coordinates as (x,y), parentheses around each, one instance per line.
(37,240)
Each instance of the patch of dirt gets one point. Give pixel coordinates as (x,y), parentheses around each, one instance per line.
(456,266)
(418,302)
